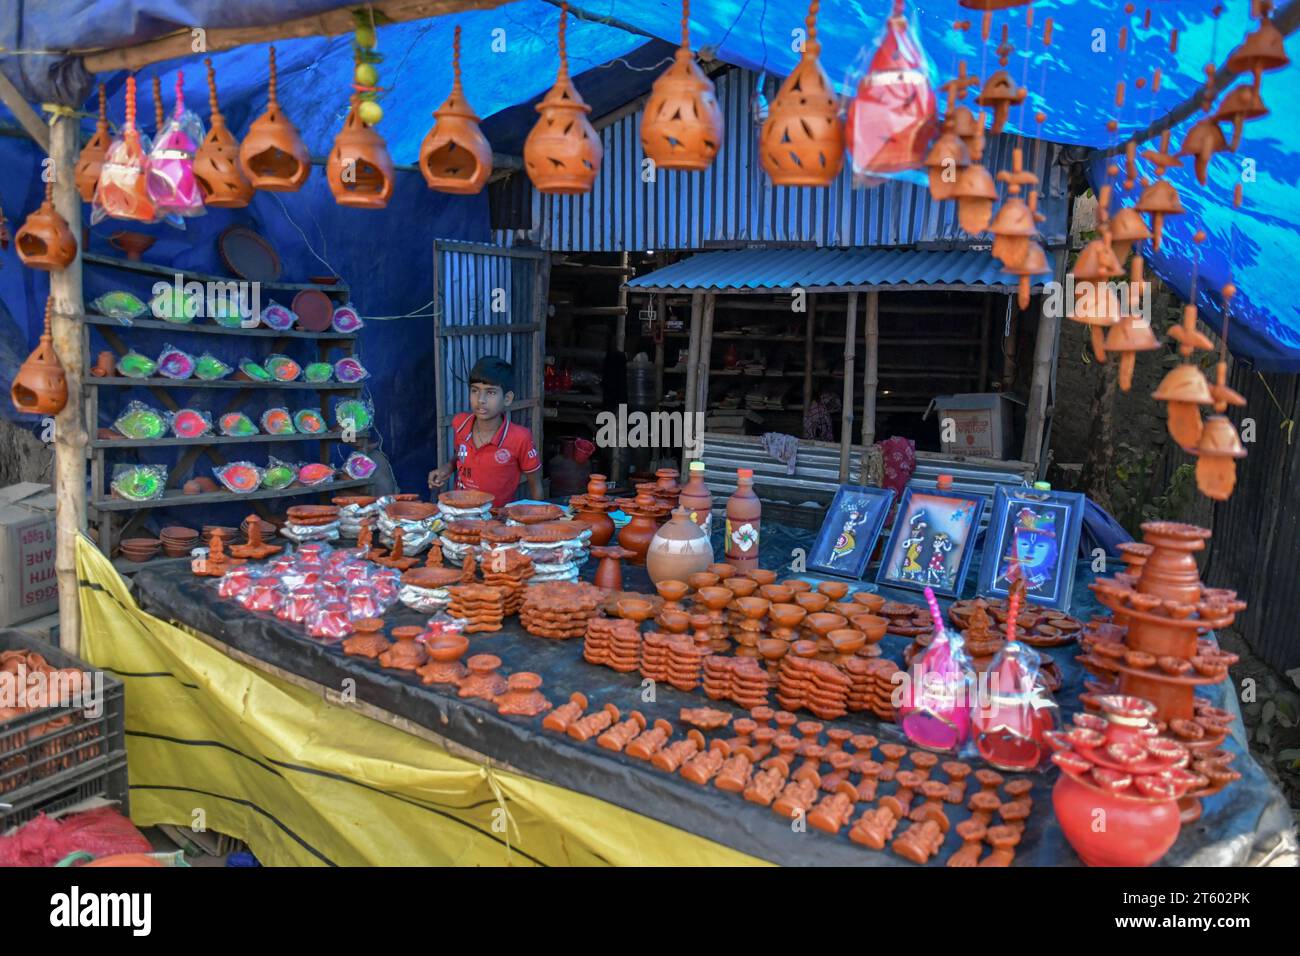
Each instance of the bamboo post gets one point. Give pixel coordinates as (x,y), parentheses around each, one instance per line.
(620,344)
(986,323)
(809,303)
(693,361)
(871,376)
(706,351)
(661,321)
(70,435)
(846,422)
(541,299)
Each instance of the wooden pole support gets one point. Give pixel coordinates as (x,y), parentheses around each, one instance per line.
(850,344)
(693,361)
(871,376)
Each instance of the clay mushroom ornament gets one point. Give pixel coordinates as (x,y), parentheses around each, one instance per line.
(1160,198)
(41,387)
(1127,228)
(45,242)
(1242,104)
(455,156)
(950,153)
(92,155)
(975,193)
(1034,263)
(1262,50)
(359,170)
(562,153)
(1132,333)
(273,155)
(1185,387)
(216,164)
(1000,93)
(681,127)
(1015,224)
(802,140)
(1203,140)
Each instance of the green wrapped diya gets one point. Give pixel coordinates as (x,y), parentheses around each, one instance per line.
(254,370)
(318,372)
(209,368)
(139,482)
(173,305)
(308,422)
(139,421)
(237,425)
(122,306)
(353,411)
(278,475)
(135,365)
(282,368)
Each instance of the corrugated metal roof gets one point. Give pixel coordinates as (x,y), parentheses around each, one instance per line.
(818,269)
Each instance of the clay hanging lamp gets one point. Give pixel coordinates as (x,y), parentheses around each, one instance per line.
(1242,104)
(92,154)
(1185,387)
(216,164)
(455,156)
(1131,334)
(950,154)
(45,242)
(1261,51)
(1160,199)
(1216,454)
(562,154)
(802,141)
(1203,140)
(1127,227)
(1000,93)
(681,127)
(41,387)
(273,155)
(975,193)
(1015,224)
(359,170)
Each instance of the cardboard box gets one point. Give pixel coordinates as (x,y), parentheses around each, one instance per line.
(981,424)
(28,586)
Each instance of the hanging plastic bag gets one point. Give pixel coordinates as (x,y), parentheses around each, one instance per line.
(122,191)
(170,164)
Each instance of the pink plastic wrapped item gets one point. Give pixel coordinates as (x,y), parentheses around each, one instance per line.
(122,191)
(262,596)
(935,709)
(313,551)
(298,604)
(170,164)
(330,622)
(355,573)
(235,582)
(362,603)
(332,590)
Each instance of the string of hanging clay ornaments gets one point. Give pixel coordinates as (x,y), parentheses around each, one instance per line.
(1219,445)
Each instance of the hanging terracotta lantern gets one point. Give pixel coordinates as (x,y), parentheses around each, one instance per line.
(1015,224)
(1000,93)
(802,142)
(1216,452)
(562,154)
(1204,140)
(359,170)
(216,164)
(1127,227)
(273,155)
(92,154)
(1242,104)
(1133,333)
(45,242)
(891,117)
(681,127)
(1261,51)
(975,193)
(945,161)
(41,387)
(455,156)
(122,191)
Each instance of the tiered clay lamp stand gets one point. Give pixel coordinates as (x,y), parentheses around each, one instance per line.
(646,512)
(609,573)
(1162,657)
(407,654)
(217,562)
(748,631)
(367,638)
(712,600)
(444,665)
(255,549)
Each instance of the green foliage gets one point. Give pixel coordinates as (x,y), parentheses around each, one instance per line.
(1137,497)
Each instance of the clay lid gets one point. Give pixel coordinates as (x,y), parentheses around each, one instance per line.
(433,577)
(534,514)
(359,500)
(549,532)
(410,510)
(464,499)
(312,511)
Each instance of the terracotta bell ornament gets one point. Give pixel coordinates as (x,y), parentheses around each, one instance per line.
(216,164)
(562,154)
(1242,104)
(1219,445)
(1096,302)
(1132,334)
(45,242)
(1203,140)
(681,127)
(41,387)
(359,170)
(1127,227)
(1000,93)
(975,193)
(92,155)
(1185,387)
(455,156)
(949,154)
(802,140)
(1034,263)
(273,155)
(1262,50)
(1015,224)
(1160,198)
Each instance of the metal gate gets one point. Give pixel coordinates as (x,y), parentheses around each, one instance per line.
(488,300)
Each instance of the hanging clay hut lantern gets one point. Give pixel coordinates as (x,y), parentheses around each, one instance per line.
(562,154)
(216,164)
(41,387)
(359,170)
(1000,93)
(1015,224)
(975,193)
(273,155)
(1216,453)
(92,154)
(1261,51)
(45,242)
(1127,227)
(1203,140)
(1242,104)
(681,127)
(802,141)
(455,156)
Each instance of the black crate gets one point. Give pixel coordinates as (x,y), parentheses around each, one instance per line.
(53,757)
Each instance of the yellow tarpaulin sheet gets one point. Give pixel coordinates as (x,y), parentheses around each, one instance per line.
(216,743)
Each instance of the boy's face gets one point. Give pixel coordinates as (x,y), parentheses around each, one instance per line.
(489,401)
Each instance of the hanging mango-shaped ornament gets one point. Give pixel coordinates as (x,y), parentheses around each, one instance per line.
(681,127)
(216,164)
(562,154)
(273,155)
(455,156)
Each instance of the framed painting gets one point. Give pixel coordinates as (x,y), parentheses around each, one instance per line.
(849,531)
(933,541)
(1036,534)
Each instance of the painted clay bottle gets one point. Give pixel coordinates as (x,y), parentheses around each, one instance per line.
(744,515)
(696,498)
(679,549)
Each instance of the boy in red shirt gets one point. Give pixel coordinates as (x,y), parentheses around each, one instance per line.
(491,453)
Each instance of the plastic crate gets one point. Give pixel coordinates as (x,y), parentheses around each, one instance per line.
(56,756)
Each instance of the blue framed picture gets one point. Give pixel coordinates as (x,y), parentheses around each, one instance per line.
(850,530)
(1035,533)
(933,541)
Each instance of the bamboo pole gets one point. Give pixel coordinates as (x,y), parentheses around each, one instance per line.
(846,422)
(541,300)
(871,376)
(23,112)
(693,361)
(70,435)
(619,345)
(1041,381)
(808,354)
(706,353)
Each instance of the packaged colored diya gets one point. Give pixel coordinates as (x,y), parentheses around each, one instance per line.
(332,589)
(315,473)
(276,316)
(169,168)
(139,482)
(330,622)
(361,602)
(121,191)
(237,425)
(174,305)
(241,477)
(278,475)
(254,370)
(209,368)
(282,368)
(263,595)
(318,372)
(139,421)
(346,319)
(191,423)
(277,421)
(135,365)
(349,370)
(308,422)
(353,412)
(359,465)
(228,312)
(122,306)
(936,703)
(235,582)
(298,604)
(174,363)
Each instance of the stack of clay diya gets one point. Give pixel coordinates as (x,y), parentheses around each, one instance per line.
(481,606)
(460,539)
(1162,657)
(612,642)
(311,523)
(647,512)
(559,609)
(464,505)
(1035,626)
(353,509)
(806,683)
(417,520)
(593,508)
(872,686)
(708,603)
(906,620)
(558,549)
(741,680)
(509,572)
(673,660)
(426,589)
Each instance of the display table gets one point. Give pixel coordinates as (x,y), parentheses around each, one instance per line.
(246,725)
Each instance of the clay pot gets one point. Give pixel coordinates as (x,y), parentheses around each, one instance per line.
(835,590)
(870,600)
(216,164)
(741,587)
(1170,572)
(455,156)
(562,153)
(44,241)
(598,520)
(41,387)
(637,535)
(104,366)
(679,549)
(273,155)
(1136,833)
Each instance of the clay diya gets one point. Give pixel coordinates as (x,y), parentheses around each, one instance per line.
(835,590)
(703,579)
(672,592)
(811,602)
(761,576)
(444,666)
(798,585)
(522,698)
(870,600)
(785,617)
(723,570)
(635,609)
(739,586)
(483,681)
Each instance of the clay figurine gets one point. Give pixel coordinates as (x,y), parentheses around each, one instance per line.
(972,833)
(561,717)
(651,741)
(672,757)
(623,733)
(705,765)
(834,811)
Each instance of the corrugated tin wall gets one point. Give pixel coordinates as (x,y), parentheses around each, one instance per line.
(733,201)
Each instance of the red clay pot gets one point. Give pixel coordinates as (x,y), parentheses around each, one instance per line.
(1137,833)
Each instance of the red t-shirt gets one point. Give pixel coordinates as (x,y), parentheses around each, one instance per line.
(498,466)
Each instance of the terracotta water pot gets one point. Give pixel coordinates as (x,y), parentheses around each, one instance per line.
(637,535)
(41,387)
(1136,834)
(455,156)
(598,519)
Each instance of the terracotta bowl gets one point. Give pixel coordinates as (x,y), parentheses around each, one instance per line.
(635,609)
(178,534)
(674,621)
(534,514)
(869,599)
(872,625)
(714,598)
(772,649)
(411,510)
(703,579)
(723,571)
(786,615)
(761,575)
(741,587)
(804,649)
(776,593)
(464,499)
(823,623)
(671,590)
(811,601)
(834,590)
(753,607)
(847,640)
(845,608)
(448,647)
(798,584)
